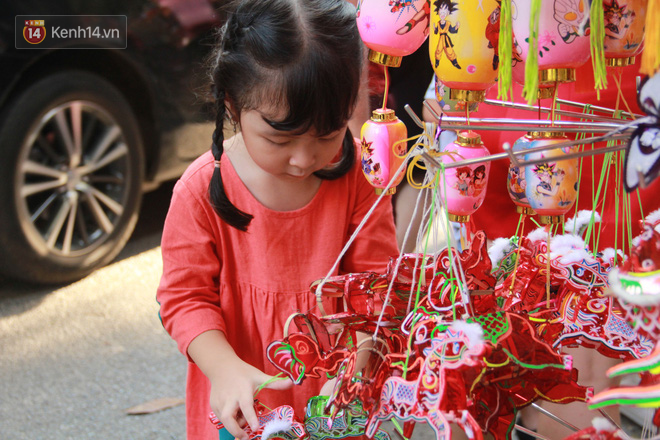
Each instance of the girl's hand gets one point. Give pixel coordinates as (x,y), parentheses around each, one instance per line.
(232,395)
(233,381)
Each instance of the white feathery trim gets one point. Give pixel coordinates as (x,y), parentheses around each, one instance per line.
(602,424)
(577,225)
(538,234)
(569,248)
(472,330)
(653,218)
(499,248)
(274,426)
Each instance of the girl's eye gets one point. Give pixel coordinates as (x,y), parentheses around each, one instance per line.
(278,142)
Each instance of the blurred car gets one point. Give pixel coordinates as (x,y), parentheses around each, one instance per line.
(85,132)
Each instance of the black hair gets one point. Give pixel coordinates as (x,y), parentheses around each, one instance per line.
(451,6)
(305,54)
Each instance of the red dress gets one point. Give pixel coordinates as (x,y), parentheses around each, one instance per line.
(246,284)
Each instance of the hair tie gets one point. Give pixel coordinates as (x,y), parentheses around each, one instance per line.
(217,163)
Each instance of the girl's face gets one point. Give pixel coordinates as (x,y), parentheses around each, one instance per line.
(284,154)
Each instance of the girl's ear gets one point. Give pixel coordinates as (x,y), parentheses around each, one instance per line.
(231,114)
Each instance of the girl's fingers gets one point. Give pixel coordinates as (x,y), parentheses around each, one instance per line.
(247,408)
(234,429)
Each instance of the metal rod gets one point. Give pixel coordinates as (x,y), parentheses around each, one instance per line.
(512,124)
(414,117)
(431,110)
(559,420)
(507,149)
(596,108)
(609,417)
(572,155)
(532,108)
(493,157)
(530,432)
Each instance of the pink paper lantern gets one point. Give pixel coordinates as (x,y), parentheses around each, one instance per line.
(381,150)
(563,38)
(464,190)
(392,30)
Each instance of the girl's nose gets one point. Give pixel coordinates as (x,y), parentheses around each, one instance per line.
(302,158)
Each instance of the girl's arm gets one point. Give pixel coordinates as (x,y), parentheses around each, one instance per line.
(233,381)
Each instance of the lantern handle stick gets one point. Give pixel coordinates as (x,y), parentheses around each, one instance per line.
(640,177)
(568,113)
(507,149)
(414,116)
(559,420)
(597,108)
(530,432)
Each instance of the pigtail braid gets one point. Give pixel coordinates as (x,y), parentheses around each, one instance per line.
(217,195)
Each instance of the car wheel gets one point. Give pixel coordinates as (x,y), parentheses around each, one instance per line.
(70,177)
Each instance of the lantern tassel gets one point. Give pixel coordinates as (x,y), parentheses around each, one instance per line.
(531,88)
(505,51)
(597,39)
(651,55)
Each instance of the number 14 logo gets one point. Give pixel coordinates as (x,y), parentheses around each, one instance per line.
(34,31)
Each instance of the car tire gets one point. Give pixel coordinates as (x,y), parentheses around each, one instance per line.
(70,177)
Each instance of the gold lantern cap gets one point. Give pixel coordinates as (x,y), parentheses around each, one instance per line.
(551,219)
(527,210)
(383,115)
(545,134)
(467,95)
(384,59)
(467,138)
(559,75)
(389,192)
(458,218)
(619,62)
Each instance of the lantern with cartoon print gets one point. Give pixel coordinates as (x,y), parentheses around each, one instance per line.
(552,180)
(515,181)
(563,37)
(624,30)
(463,46)
(392,30)
(382,149)
(463,188)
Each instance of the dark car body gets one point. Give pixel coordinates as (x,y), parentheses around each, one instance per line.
(154,93)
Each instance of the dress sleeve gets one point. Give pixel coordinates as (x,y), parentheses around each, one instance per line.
(188,292)
(376,242)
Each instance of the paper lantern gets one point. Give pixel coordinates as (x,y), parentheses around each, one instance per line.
(515,180)
(624,30)
(381,154)
(464,190)
(392,30)
(462,46)
(563,37)
(552,184)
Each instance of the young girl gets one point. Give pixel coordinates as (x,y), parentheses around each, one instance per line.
(254,222)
